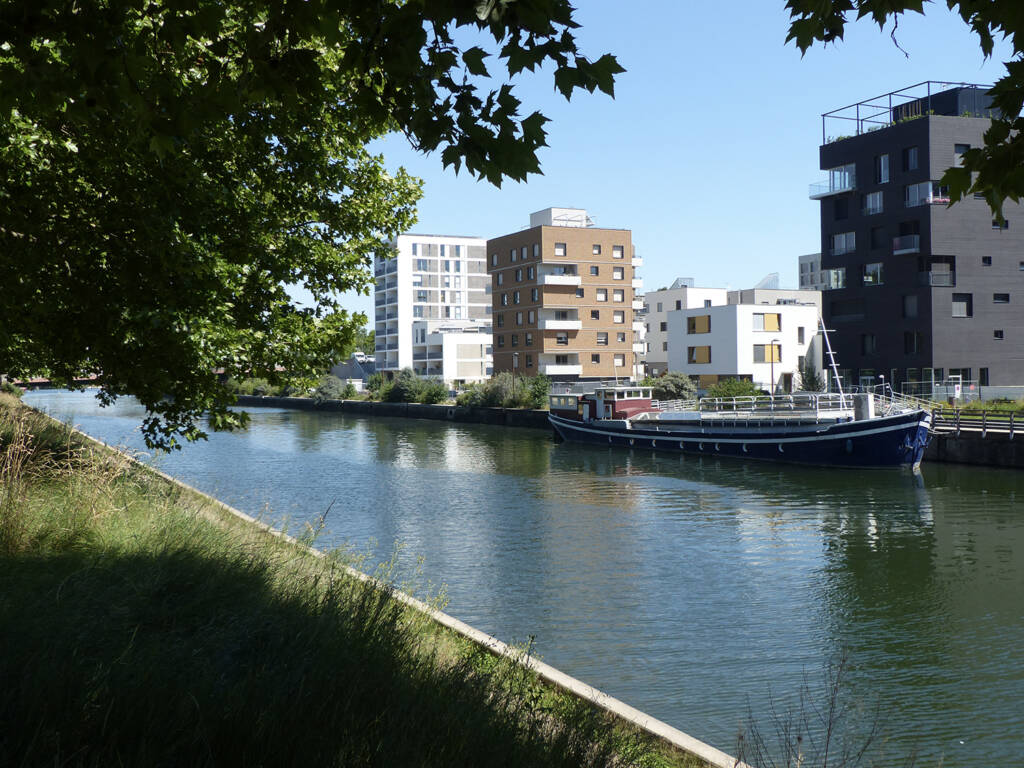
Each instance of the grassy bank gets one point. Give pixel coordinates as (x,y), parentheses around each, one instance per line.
(141,625)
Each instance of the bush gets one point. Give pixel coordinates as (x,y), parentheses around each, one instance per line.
(433,391)
(374,384)
(11,388)
(502,391)
(539,388)
(333,388)
(672,386)
(810,379)
(734,388)
(405,387)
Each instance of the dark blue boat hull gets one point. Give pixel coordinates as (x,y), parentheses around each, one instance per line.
(890,441)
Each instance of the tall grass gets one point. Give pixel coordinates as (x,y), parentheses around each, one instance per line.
(137,630)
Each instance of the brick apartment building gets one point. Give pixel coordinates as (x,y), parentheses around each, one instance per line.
(564,295)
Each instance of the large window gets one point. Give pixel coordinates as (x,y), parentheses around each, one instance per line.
(618,295)
(602,339)
(767,353)
(881,169)
(767,321)
(602,294)
(617,252)
(871,203)
(844,242)
(618,273)
(618,316)
(873,274)
(562,339)
(698,355)
(559,249)
(963,305)
(910,159)
(698,324)
(620,361)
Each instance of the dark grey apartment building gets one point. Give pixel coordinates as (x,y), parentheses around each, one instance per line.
(917,291)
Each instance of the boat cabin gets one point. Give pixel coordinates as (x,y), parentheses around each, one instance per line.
(603,403)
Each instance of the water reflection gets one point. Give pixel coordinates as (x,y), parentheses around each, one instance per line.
(686,586)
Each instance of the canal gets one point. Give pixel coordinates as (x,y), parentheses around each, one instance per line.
(694,589)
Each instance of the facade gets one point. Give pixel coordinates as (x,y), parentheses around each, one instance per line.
(917,291)
(457,351)
(564,295)
(657,304)
(810,272)
(775,296)
(429,279)
(745,341)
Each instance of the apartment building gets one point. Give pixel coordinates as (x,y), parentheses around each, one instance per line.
(810,276)
(564,293)
(682,294)
(775,296)
(917,291)
(426,286)
(766,344)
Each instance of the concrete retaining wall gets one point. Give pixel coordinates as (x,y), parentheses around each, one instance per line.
(502,417)
(991,450)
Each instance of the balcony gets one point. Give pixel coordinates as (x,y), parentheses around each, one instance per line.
(906,244)
(938,279)
(638,261)
(554,369)
(639,326)
(639,348)
(840,180)
(548,279)
(550,324)
(637,283)
(638,305)
(379,301)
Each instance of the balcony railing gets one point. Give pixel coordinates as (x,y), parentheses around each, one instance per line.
(906,244)
(556,369)
(549,279)
(551,324)
(939,279)
(839,181)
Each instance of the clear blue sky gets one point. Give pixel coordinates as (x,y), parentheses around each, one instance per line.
(707,149)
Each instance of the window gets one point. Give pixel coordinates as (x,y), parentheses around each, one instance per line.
(501,278)
(997,334)
(562,314)
(679,304)
(421,265)
(602,339)
(707,302)
(871,203)
(800,335)
(562,339)
(494,259)
(596,249)
(519,275)
(664,346)
(519,318)
(618,273)
(595,270)
(698,355)
(841,208)
(767,321)
(958,153)
(834,278)
(963,305)
(844,242)
(421,296)
(986,261)
(910,159)
(767,353)
(913,342)
(414,249)
(515,297)
(515,339)
(602,294)
(559,249)
(620,337)
(910,306)
(620,361)
(617,252)
(873,274)
(561,359)
(659,303)
(522,253)
(529,359)
(1000,298)
(997,224)
(534,294)
(663,327)
(618,295)
(501,340)
(512,254)
(881,169)
(698,324)
(531,273)
(499,320)
(536,250)
(983,377)
(868,344)
(595,314)
(531,317)
(618,316)
(595,358)
(579,293)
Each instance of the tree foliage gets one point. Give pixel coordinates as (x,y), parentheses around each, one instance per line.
(734,388)
(995,170)
(166,168)
(810,378)
(672,386)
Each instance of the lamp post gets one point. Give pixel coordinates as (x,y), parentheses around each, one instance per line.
(772,343)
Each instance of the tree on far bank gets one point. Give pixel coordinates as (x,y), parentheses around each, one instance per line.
(672,386)
(167,169)
(810,378)
(995,170)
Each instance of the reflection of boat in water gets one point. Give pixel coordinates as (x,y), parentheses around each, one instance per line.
(829,429)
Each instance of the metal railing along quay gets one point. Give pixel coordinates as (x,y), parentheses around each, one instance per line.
(953,421)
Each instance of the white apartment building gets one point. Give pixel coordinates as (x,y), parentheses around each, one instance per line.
(811,276)
(457,351)
(431,278)
(765,344)
(775,296)
(657,304)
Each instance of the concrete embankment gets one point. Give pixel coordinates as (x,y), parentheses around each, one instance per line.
(503,417)
(986,449)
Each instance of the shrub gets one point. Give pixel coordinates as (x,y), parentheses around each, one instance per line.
(405,387)
(11,388)
(374,384)
(502,391)
(333,388)
(539,388)
(810,378)
(433,391)
(734,388)
(673,386)
(471,397)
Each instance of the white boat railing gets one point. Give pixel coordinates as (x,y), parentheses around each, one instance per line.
(813,402)
(674,405)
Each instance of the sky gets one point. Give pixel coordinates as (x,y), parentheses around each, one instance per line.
(707,150)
